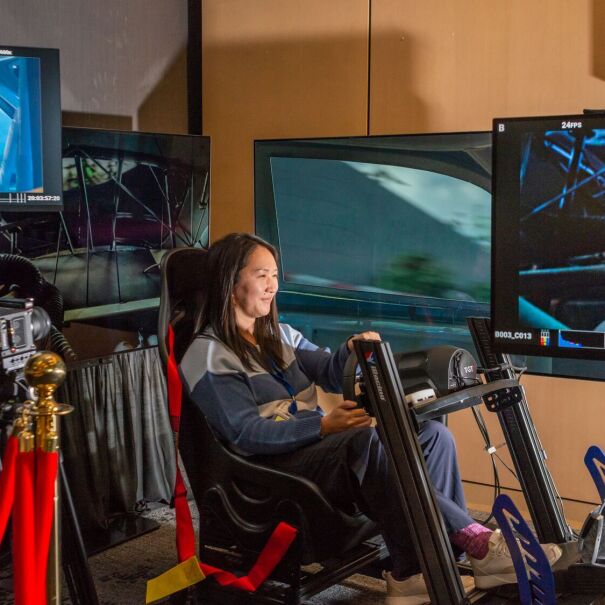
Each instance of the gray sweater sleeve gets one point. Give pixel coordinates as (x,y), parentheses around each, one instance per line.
(320,365)
(228,403)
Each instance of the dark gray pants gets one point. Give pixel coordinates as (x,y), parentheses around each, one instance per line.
(352,468)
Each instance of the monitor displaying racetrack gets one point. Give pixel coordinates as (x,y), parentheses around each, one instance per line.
(386,233)
(548,273)
(30,129)
(419,203)
(129,198)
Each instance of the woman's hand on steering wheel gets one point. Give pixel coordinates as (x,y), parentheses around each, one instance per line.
(346,415)
(362,336)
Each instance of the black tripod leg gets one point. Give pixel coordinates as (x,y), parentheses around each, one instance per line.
(74,558)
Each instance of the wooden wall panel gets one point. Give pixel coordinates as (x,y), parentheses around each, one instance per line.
(274,69)
(597,42)
(165,107)
(95,120)
(440,66)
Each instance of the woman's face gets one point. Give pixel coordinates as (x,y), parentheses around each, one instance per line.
(255,288)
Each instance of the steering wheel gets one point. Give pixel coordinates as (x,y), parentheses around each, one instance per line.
(353,386)
(496,395)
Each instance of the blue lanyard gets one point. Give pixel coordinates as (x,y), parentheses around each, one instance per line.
(279,375)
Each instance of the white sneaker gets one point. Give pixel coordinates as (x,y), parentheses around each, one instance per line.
(497,568)
(413,590)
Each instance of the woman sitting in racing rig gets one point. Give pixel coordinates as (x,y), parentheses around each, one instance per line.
(254,380)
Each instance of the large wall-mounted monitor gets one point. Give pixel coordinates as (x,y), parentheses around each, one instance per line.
(388,232)
(412,210)
(30,129)
(548,274)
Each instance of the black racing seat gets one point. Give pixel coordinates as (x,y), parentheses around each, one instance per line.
(241,502)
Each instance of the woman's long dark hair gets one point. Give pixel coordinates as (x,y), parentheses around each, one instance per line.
(226,258)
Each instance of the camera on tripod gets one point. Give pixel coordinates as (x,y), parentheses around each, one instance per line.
(21,324)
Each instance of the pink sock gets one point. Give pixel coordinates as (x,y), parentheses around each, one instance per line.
(473,539)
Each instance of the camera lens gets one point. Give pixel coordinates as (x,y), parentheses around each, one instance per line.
(40,323)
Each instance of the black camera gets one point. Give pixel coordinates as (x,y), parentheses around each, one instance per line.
(21,324)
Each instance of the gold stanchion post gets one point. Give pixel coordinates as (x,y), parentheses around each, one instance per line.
(45,372)
(22,429)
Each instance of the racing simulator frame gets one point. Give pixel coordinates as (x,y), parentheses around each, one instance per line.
(502,394)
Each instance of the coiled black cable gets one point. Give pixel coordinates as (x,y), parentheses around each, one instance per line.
(21,276)
(20,273)
(51,300)
(59,344)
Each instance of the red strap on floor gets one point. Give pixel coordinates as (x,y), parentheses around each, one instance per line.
(271,555)
(276,546)
(7,482)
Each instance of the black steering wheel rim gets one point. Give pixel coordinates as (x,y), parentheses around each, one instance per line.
(350,380)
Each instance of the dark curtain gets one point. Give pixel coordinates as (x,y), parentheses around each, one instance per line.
(117,444)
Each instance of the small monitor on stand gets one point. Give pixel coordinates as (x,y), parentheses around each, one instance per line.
(30,130)
(548,242)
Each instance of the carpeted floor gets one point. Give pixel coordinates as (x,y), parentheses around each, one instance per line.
(121,573)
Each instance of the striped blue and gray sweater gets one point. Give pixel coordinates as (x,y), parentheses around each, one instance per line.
(245,406)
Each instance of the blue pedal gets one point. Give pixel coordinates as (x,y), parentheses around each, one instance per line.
(534,575)
(595,462)
(592,535)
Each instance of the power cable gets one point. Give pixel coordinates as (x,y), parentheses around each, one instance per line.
(491,449)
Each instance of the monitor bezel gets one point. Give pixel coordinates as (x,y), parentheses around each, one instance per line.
(347,148)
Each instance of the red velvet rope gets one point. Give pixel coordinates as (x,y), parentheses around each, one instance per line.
(28,585)
(31,500)
(276,546)
(47,466)
(7,482)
